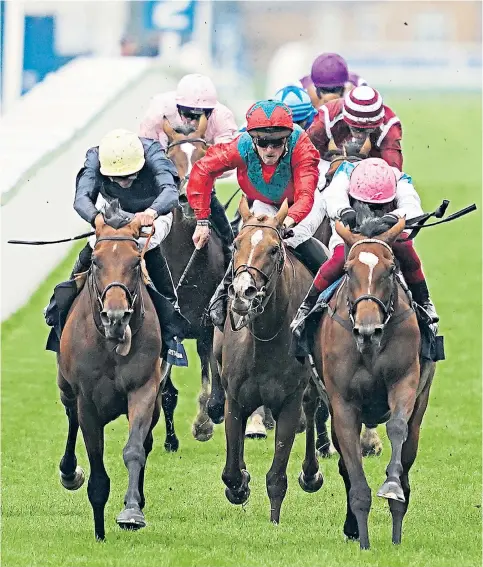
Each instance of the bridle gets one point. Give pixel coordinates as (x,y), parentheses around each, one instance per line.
(258,303)
(386,308)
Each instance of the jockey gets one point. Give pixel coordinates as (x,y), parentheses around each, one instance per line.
(195,96)
(137,172)
(361,114)
(275,160)
(298,100)
(388,192)
(329,76)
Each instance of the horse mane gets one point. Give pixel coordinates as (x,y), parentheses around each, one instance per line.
(115,216)
(368,224)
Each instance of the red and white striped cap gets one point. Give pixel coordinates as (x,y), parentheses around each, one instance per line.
(363,108)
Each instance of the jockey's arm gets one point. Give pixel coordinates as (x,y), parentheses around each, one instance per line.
(166,179)
(318,134)
(390,148)
(408,201)
(88,183)
(305,161)
(226,127)
(336,195)
(217,160)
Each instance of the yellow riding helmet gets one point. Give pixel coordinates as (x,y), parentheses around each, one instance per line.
(121,153)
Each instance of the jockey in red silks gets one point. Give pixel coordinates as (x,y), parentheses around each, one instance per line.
(275,160)
(388,192)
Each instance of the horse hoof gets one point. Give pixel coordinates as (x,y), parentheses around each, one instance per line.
(372,451)
(202,432)
(326,451)
(131,519)
(392,490)
(73,481)
(312,484)
(255,430)
(241,494)
(171,445)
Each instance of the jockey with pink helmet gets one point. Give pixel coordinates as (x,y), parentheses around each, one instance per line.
(390,194)
(194,97)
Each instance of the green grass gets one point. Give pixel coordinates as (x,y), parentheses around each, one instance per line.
(190,522)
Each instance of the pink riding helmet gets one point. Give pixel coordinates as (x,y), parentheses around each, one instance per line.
(196,91)
(373,181)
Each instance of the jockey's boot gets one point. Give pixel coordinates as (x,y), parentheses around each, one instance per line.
(218,303)
(82,264)
(222,224)
(313,254)
(420,295)
(298,324)
(160,275)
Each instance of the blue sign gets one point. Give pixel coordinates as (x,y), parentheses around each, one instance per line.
(170,15)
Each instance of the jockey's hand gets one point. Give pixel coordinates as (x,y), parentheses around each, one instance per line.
(201,234)
(348,217)
(288,222)
(147,218)
(390,219)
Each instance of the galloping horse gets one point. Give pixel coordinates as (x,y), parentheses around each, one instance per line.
(109,365)
(367,350)
(194,293)
(253,353)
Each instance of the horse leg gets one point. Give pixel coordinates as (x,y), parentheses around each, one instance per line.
(408,455)
(235,478)
(169,401)
(351,530)
(401,400)
(347,424)
(371,443)
(71,475)
(141,404)
(256,428)
(287,421)
(216,402)
(99,484)
(310,479)
(323,445)
(268,420)
(148,446)
(203,426)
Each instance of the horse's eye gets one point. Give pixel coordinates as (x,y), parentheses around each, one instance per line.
(274,250)
(235,244)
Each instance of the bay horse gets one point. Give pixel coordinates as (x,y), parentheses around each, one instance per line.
(253,354)
(109,365)
(367,349)
(194,294)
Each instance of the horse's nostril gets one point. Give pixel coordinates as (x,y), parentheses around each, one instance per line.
(250,292)
(105,318)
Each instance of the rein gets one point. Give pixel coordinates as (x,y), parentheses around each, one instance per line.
(258,303)
(186,141)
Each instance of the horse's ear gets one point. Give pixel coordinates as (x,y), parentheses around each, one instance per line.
(282,213)
(390,235)
(99,222)
(244,209)
(346,234)
(168,129)
(332,146)
(202,126)
(366,147)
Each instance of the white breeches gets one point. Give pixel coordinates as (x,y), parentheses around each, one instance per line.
(162,227)
(306,228)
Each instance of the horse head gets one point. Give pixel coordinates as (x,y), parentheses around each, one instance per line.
(371,283)
(116,272)
(259,257)
(185,147)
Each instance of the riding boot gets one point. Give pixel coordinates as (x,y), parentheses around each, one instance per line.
(420,295)
(82,264)
(218,303)
(223,227)
(298,324)
(235,224)
(160,275)
(312,253)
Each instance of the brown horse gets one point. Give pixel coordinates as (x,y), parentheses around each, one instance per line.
(109,365)
(194,293)
(253,353)
(367,350)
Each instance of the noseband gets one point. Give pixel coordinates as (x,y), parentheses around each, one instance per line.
(130,295)
(257,304)
(386,308)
